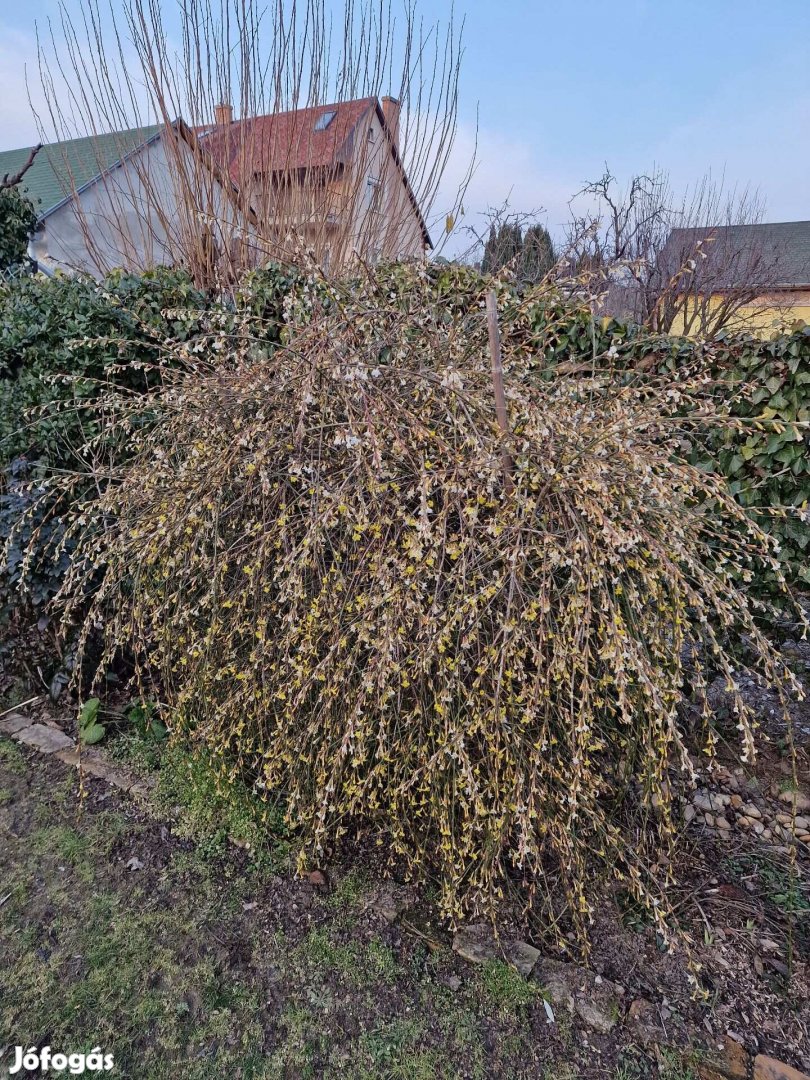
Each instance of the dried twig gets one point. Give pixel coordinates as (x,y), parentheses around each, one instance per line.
(497,384)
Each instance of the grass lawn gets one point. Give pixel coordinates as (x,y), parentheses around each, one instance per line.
(186,961)
(143,930)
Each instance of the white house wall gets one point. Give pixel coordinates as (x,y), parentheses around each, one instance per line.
(399,235)
(135,217)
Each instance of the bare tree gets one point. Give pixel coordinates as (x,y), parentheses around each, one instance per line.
(11,180)
(249,188)
(691,267)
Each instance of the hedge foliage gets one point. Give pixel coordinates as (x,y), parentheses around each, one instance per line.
(64,339)
(65,344)
(18,219)
(770,467)
(317,556)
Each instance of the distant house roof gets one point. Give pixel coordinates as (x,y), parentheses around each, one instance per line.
(317,137)
(781,249)
(61,168)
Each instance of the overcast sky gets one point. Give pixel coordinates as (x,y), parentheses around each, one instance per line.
(560,88)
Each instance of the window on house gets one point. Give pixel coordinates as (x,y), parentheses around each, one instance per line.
(375,192)
(324,120)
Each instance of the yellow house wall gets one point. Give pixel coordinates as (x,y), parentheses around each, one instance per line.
(772,313)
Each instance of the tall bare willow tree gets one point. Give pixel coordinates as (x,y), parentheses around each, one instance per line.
(294,131)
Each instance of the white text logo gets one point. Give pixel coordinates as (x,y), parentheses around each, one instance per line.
(32,1059)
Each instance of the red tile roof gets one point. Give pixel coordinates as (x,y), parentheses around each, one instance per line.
(286,141)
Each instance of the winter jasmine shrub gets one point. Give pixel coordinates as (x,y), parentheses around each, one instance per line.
(317,555)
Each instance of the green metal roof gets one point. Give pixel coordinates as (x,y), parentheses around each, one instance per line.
(62,167)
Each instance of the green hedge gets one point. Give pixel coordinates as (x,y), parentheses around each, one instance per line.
(62,341)
(770,468)
(51,328)
(767,466)
(18,219)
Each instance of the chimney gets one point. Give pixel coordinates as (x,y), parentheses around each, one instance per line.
(391,108)
(223,114)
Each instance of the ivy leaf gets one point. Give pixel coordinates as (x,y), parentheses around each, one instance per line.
(89,712)
(92,734)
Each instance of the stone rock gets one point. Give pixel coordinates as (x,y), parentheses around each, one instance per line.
(688,813)
(648,1028)
(390,900)
(477,943)
(44,738)
(709,801)
(316,877)
(596,1015)
(94,763)
(708,1071)
(797,799)
(801,824)
(71,756)
(730,1063)
(13,722)
(722,823)
(702,801)
(557,982)
(768,1068)
(752,811)
(594,999)
(524,956)
(736,801)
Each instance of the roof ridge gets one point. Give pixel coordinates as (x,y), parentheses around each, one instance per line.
(740,225)
(86,138)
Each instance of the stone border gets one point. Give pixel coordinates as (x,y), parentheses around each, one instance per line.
(50,739)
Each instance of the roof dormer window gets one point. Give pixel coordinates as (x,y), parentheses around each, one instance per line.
(324,120)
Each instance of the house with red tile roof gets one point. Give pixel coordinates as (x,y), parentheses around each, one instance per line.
(327,178)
